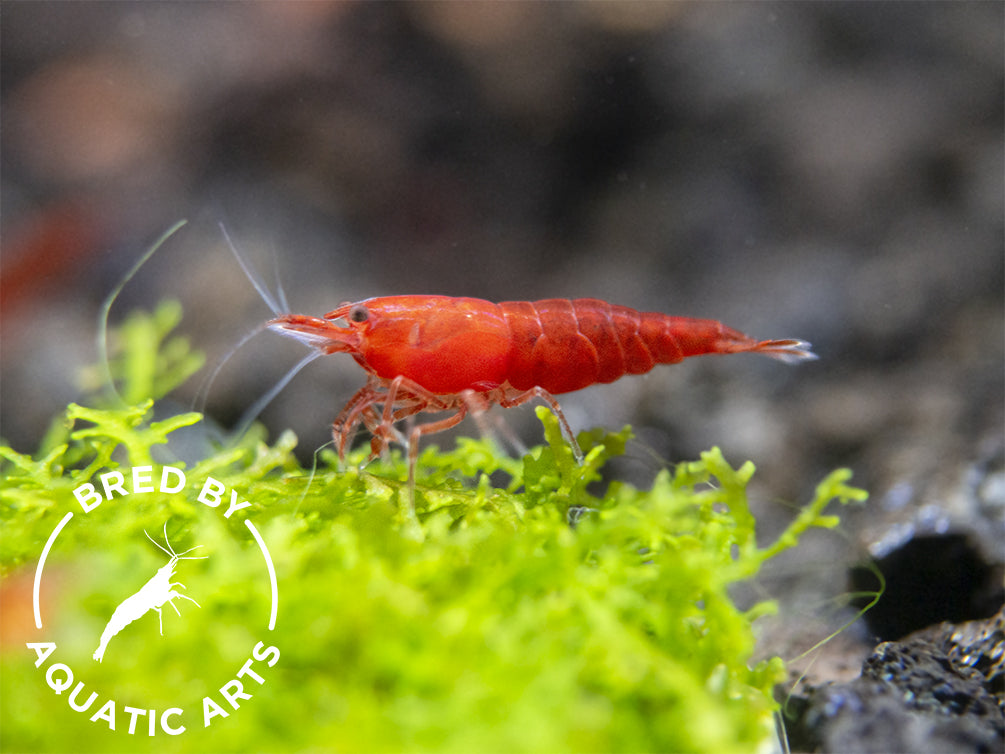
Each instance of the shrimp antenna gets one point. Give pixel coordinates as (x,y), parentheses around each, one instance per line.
(202,394)
(106,305)
(279,285)
(157,544)
(258,406)
(170,551)
(277,305)
(310,478)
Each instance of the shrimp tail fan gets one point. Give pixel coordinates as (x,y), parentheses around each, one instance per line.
(790,351)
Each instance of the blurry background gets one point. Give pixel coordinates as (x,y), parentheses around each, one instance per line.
(827,171)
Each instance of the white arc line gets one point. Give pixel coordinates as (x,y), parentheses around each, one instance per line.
(272,572)
(41,565)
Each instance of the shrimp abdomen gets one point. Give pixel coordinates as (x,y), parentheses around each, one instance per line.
(563,345)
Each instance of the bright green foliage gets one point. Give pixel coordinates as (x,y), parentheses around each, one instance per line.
(482,621)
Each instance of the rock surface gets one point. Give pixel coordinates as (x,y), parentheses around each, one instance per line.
(939,690)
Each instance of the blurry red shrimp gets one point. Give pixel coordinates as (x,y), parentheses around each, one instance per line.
(438,353)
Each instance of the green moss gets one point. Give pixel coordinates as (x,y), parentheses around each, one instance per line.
(482,622)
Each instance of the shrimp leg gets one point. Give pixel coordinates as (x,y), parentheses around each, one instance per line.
(544,395)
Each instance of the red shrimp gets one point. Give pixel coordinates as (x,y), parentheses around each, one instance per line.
(438,353)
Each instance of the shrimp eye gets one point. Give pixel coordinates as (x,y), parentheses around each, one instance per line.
(358,314)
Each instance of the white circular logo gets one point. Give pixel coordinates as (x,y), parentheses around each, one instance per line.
(155,590)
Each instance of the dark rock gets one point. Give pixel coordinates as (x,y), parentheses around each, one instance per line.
(940,690)
(930,578)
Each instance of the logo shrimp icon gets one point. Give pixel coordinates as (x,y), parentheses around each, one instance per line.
(151,596)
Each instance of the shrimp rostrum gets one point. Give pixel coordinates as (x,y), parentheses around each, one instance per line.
(464,355)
